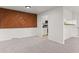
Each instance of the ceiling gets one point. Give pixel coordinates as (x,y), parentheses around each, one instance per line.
(33,9)
(38,9)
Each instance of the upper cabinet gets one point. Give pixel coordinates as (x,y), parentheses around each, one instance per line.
(75,18)
(70,17)
(67,15)
(78,20)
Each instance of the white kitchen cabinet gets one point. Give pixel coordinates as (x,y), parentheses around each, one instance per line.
(78,20)
(70,30)
(67,14)
(78,24)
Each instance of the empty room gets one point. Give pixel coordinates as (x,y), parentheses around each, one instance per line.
(39,29)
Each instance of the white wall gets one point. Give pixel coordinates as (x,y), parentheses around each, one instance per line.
(55,24)
(6,34)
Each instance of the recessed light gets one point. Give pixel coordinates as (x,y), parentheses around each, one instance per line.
(27,7)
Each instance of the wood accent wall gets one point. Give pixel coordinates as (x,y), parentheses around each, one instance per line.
(17,19)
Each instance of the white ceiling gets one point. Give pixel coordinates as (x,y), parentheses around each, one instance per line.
(38,9)
(33,9)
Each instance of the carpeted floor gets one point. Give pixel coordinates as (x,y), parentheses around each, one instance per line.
(38,45)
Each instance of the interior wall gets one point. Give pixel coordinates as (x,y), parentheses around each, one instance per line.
(7,34)
(55,24)
(15,24)
(16,19)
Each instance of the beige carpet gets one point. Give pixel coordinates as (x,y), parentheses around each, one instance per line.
(38,45)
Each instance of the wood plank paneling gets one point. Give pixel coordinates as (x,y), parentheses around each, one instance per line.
(16,19)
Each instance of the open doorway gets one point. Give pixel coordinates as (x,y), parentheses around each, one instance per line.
(45,29)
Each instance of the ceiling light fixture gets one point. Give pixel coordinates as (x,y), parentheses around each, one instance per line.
(27,7)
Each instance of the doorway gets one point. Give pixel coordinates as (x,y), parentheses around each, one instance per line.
(45,29)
